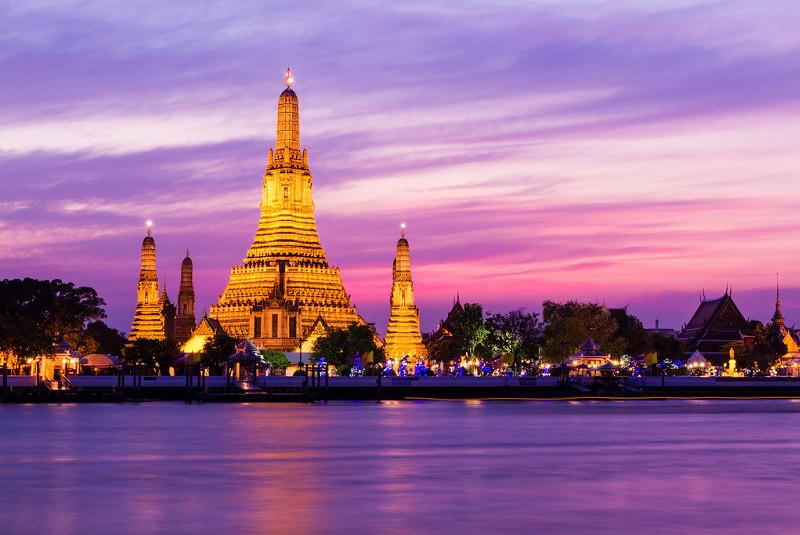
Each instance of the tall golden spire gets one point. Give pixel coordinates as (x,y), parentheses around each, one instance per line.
(403,334)
(288,118)
(147,320)
(285,283)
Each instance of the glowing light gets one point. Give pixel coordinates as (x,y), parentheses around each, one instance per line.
(288,78)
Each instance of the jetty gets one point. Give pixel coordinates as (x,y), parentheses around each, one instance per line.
(130,384)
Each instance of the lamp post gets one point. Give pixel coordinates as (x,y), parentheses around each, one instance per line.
(301,352)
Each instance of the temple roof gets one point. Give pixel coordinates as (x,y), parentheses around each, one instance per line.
(710,309)
(589,348)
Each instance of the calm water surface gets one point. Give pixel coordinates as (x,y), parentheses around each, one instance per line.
(724,467)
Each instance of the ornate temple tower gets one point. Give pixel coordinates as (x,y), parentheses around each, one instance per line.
(402,335)
(147,320)
(167,313)
(778,323)
(285,283)
(185,320)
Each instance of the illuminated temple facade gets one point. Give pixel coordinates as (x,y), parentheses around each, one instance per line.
(152,313)
(402,335)
(156,317)
(285,288)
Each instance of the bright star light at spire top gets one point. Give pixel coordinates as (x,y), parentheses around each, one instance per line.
(149,225)
(402,230)
(288,78)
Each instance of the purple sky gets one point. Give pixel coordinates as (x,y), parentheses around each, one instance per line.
(621,152)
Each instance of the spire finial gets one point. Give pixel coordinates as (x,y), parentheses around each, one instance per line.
(149,225)
(402,230)
(777,288)
(288,78)
(187,251)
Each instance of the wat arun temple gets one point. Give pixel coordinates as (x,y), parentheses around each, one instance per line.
(285,291)
(285,294)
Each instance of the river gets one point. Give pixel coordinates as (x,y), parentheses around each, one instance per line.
(623,467)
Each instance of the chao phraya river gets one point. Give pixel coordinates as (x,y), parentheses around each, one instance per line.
(726,467)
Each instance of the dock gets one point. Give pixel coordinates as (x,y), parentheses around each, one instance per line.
(200,388)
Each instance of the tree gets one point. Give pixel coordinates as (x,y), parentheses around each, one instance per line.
(515,333)
(332,346)
(157,355)
(470,330)
(665,347)
(36,313)
(276,359)
(339,346)
(632,332)
(767,346)
(98,337)
(216,351)
(442,348)
(567,325)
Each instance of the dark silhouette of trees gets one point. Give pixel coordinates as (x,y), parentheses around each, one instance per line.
(516,333)
(340,345)
(98,337)
(216,351)
(567,325)
(156,355)
(34,314)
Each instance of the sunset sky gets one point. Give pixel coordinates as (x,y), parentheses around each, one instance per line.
(623,152)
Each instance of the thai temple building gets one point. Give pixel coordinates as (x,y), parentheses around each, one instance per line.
(442,339)
(403,337)
(791,360)
(285,283)
(167,313)
(148,321)
(156,317)
(715,324)
(185,320)
(589,355)
(205,330)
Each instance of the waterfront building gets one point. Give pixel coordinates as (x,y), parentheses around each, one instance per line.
(167,313)
(207,328)
(148,320)
(791,359)
(285,283)
(185,320)
(441,343)
(403,337)
(715,324)
(589,355)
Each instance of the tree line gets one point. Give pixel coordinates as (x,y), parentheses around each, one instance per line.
(34,314)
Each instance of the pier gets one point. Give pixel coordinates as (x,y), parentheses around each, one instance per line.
(131,385)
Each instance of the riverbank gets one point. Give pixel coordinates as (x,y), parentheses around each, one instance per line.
(25,389)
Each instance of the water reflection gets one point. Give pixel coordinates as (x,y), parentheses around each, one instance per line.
(549,467)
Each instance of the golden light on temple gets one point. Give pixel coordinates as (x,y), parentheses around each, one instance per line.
(148,321)
(285,293)
(403,336)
